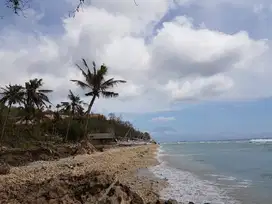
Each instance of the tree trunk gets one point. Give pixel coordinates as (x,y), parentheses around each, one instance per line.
(68,128)
(5,122)
(90,105)
(87,117)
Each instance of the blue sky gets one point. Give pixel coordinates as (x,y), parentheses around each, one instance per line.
(210,121)
(195,70)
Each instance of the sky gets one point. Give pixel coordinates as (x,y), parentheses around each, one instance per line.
(195,70)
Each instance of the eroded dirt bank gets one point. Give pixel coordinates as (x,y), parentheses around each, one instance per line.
(103,177)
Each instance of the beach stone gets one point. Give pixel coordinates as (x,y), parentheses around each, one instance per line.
(4,168)
(171,201)
(42,200)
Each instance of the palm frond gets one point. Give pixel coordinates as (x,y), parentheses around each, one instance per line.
(111,83)
(64,103)
(71,96)
(82,71)
(85,63)
(81,84)
(66,106)
(94,67)
(45,91)
(4,99)
(90,94)
(70,92)
(109,94)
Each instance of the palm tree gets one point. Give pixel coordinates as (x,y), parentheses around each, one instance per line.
(58,107)
(96,84)
(34,96)
(11,94)
(72,107)
(75,104)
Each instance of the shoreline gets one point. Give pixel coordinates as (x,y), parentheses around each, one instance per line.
(126,164)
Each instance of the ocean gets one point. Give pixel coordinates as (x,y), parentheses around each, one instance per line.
(231,172)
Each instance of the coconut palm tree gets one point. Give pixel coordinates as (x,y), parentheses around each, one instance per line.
(35,96)
(96,84)
(10,95)
(74,106)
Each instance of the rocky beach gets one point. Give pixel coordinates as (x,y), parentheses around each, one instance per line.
(113,176)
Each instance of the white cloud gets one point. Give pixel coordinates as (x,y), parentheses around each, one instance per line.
(164,130)
(215,3)
(258,8)
(199,88)
(181,62)
(186,50)
(144,15)
(163,119)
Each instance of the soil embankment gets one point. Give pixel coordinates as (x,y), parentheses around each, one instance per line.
(102,177)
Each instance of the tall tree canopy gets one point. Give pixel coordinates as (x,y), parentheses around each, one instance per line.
(95,82)
(74,105)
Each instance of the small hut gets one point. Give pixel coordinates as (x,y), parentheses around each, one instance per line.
(102,138)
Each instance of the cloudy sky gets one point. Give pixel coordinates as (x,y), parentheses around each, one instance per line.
(195,69)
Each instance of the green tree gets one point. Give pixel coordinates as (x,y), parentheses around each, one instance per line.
(10,95)
(74,106)
(35,97)
(96,84)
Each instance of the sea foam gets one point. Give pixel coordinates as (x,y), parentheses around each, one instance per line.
(185,186)
(260,141)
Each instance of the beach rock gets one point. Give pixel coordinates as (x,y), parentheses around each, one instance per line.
(159,202)
(85,147)
(171,201)
(191,202)
(3,148)
(4,168)
(72,189)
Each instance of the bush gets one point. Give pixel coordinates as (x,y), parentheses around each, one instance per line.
(76,129)
(55,130)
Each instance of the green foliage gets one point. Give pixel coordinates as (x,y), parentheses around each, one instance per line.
(74,106)
(34,96)
(95,82)
(55,130)
(26,118)
(75,133)
(12,94)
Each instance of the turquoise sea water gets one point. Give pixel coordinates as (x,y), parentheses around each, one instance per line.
(238,172)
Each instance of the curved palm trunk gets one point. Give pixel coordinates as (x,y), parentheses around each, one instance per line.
(5,122)
(91,105)
(87,116)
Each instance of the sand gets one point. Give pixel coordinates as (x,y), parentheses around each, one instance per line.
(126,164)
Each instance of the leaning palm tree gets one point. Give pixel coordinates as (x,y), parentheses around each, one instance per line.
(35,97)
(74,106)
(96,84)
(10,95)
